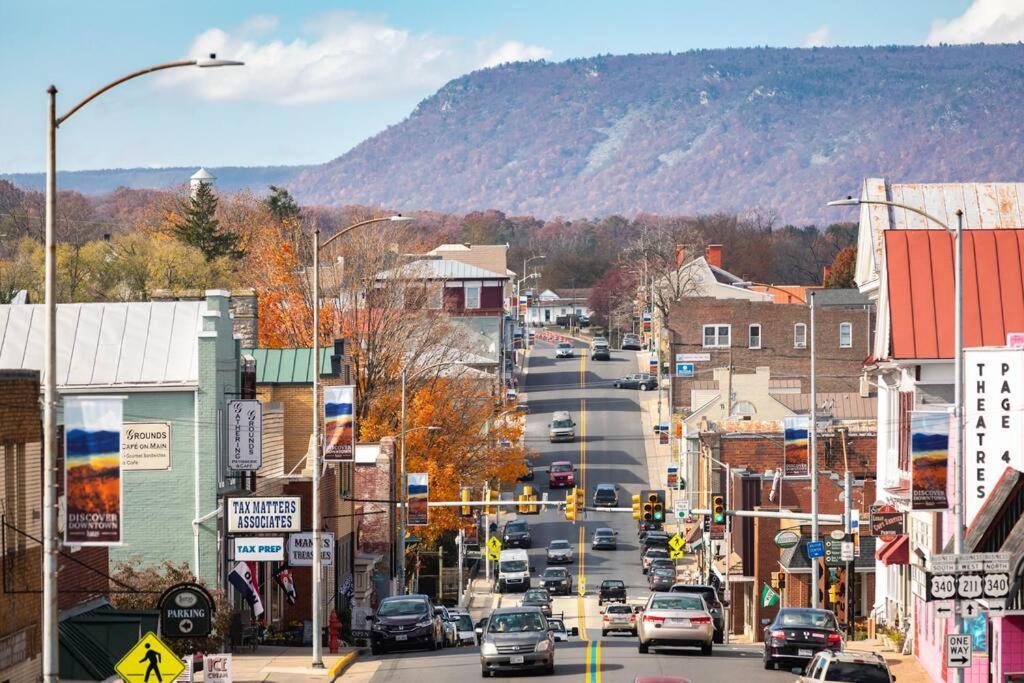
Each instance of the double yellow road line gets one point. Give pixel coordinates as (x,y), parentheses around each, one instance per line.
(592,672)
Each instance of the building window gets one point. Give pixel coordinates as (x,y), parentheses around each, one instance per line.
(547,315)
(472,297)
(716,336)
(800,336)
(754,337)
(906,407)
(845,335)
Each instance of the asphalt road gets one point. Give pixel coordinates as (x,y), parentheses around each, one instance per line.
(609,448)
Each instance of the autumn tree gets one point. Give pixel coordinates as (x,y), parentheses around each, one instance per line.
(843,269)
(198,226)
(655,257)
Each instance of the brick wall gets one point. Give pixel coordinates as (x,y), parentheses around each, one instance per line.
(763,451)
(838,369)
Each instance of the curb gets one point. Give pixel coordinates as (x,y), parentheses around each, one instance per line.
(339,666)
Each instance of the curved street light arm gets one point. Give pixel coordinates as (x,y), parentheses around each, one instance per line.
(385,219)
(849,201)
(114,84)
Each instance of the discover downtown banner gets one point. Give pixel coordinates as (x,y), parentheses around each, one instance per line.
(929,460)
(794,454)
(339,423)
(92,470)
(419,491)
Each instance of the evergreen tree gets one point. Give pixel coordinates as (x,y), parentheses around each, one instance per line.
(199,227)
(281,204)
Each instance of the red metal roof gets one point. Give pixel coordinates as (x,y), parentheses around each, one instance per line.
(895,552)
(919,267)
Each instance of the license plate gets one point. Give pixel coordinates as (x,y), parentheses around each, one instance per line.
(516,659)
(805,653)
(402,637)
(679,622)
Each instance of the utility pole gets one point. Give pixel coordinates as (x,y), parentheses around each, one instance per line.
(813,458)
(728,554)
(958,400)
(848,530)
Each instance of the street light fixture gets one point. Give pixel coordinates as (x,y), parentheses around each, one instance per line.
(317,569)
(50,634)
(958,365)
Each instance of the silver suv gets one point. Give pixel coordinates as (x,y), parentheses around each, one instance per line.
(516,638)
(562,427)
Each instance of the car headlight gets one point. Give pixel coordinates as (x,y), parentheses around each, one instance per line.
(543,646)
(424,623)
(488,648)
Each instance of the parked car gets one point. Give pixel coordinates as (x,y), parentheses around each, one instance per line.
(660,577)
(675,619)
(564,350)
(644,527)
(604,538)
(654,539)
(559,551)
(561,474)
(463,627)
(557,581)
(599,350)
(557,626)
(661,563)
(618,618)
(538,597)
(517,534)
(798,633)
(632,342)
(514,639)
(715,607)
(651,554)
(855,667)
(606,495)
(611,590)
(405,621)
(644,381)
(561,427)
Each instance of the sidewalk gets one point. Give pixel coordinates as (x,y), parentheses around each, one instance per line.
(287,664)
(906,668)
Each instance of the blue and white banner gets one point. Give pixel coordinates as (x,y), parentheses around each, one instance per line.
(339,424)
(92,470)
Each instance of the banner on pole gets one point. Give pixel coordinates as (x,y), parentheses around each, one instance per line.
(339,424)
(929,460)
(795,448)
(419,487)
(92,470)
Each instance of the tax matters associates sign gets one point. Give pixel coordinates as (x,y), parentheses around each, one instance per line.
(263,514)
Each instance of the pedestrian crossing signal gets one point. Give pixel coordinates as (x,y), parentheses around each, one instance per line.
(718,509)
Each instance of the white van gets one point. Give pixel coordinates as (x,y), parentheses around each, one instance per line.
(513,570)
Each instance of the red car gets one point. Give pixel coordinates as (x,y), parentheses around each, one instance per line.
(561,475)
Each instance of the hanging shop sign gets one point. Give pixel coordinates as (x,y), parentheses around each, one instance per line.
(263,514)
(259,548)
(245,435)
(300,549)
(146,446)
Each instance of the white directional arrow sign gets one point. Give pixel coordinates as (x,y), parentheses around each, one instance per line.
(943,609)
(969,609)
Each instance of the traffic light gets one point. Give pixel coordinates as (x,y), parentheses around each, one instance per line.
(570,505)
(464,495)
(636,506)
(581,498)
(718,509)
(652,505)
(833,593)
(778,580)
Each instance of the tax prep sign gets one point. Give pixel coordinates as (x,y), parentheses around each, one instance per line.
(259,549)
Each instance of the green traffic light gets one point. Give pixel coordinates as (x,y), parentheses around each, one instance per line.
(658,516)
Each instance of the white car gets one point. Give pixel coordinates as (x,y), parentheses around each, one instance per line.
(560,550)
(463,626)
(564,350)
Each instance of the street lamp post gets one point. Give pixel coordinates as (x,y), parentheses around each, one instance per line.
(51,655)
(958,368)
(316,568)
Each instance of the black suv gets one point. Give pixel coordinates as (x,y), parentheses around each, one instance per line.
(516,534)
(710,596)
(405,621)
(606,495)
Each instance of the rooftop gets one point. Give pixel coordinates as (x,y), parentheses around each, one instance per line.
(440,269)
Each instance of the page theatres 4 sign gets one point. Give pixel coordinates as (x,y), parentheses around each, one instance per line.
(186,611)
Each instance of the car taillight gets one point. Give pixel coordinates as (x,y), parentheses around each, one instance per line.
(834,638)
(632,617)
(654,620)
(700,620)
(604,618)
(779,635)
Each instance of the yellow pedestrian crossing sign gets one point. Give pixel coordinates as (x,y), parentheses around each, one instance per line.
(494,548)
(150,661)
(676,554)
(677,542)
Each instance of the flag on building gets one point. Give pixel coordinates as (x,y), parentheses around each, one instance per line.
(769,598)
(283,577)
(242,578)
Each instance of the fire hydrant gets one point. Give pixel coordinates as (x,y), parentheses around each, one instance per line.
(333,629)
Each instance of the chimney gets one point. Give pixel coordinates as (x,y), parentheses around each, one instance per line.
(680,255)
(713,253)
(200,177)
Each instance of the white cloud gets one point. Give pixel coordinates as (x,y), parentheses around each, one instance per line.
(985,21)
(819,38)
(343,56)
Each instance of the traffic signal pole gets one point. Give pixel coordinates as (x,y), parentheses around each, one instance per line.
(812,433)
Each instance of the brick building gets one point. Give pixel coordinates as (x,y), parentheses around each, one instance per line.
(748,334)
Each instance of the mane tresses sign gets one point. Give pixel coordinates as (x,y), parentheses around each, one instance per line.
(273,514)
(994,420)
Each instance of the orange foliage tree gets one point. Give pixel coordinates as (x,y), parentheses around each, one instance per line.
(472,447)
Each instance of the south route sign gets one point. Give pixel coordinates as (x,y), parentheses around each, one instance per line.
(958,651)
(150,661)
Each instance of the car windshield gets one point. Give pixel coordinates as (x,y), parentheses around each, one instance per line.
(556,624)
(664,571)
(565,345)
(561,423)
(401,608)
(620,609)
(536,596)
(812,619)
(612,584)
(564,467)
(513,566)
(464,622)
(681,602)
(606,490)
(657,552)
(515,622)
(709,594)
(517,526)
(854,672)
(555,573)
(559,545)
(604,532)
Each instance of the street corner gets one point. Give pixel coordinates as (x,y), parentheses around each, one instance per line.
(338,669)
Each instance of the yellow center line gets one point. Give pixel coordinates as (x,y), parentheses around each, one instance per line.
(583,370)
(597,662)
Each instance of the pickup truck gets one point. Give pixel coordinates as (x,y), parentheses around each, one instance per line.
(611,590)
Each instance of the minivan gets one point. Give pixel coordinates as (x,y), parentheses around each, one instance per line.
(562,428)
(513,571)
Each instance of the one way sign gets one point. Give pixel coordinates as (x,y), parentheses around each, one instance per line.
(958,650)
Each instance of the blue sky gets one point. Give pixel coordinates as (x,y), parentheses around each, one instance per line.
(321,77)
